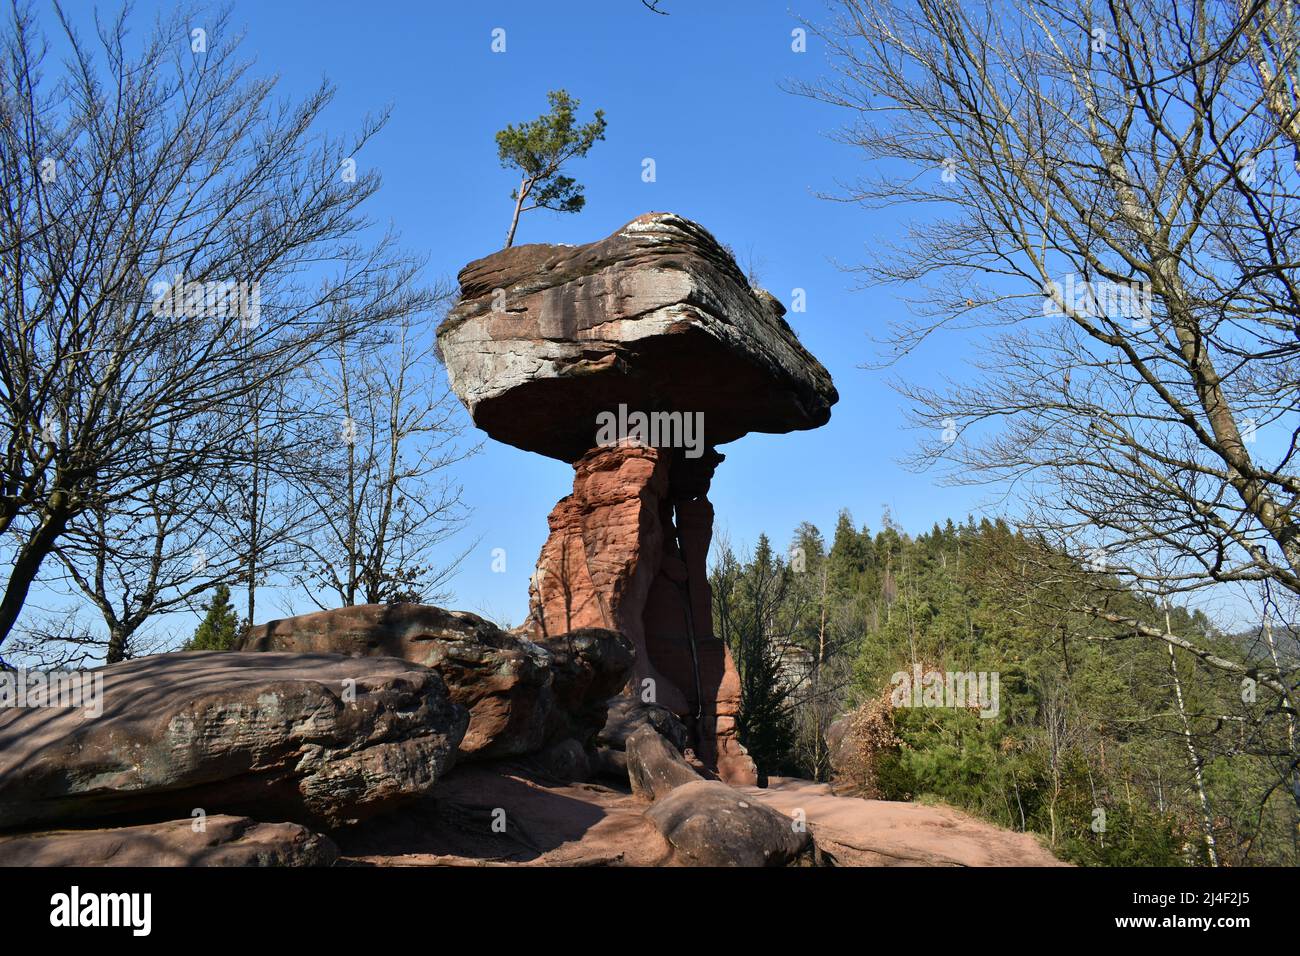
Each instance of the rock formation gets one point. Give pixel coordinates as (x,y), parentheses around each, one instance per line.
(654,766)
(308,738)
(711,824)
(520,694)
(633,358)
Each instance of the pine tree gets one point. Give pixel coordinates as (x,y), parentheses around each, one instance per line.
(538,150)
(219,630)
(850,554)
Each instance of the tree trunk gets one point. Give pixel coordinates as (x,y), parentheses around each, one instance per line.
(28,562)
(119,640)
(1207,817)
(524,186)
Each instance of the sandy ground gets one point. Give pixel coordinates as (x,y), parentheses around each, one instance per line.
(508,814)
(885,833)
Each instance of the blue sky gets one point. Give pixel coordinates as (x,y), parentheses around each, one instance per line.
(698,91)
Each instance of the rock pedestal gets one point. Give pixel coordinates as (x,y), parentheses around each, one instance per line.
(550,344)
(627,554)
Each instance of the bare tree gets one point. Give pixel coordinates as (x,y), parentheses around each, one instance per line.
(380,494)
(1272,31)
(162,220)
(1103,196)
(1112,201)
(148,554)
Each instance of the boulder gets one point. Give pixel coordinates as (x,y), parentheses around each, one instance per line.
(609,763)
(312,738)
(625,715)
(654,766)
(566,761)
(711,824)
(521,694)
(223,841)
(657,315)
(589,665)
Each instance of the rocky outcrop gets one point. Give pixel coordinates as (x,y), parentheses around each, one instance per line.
(220,841)
(633,358)
(710,824)
(555,824)
(304,737)
(656,316)
(520,694)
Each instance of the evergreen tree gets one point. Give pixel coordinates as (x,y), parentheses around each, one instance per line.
(1089,746)
(850,554)
(538,150)
(219,630)
(751,608)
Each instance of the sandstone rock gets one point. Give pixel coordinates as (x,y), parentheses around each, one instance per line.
(710,824)
(520,694)
(626,715)
(546,823)
(545,345)
(224,841)
(860,832)
(654,767)
(601,558)
(589,665)
(614,559)
(609,763)
(656,316)
(274,734)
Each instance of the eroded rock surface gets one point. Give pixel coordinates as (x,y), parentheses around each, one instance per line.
(626,715)
(860,832)
(303,737)
(711,824)
(625,554)
(654,767)
(521,694)
(657,315)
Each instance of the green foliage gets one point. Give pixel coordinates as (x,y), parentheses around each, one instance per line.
(748,597)
(1087,748)
(539,148)
(220,628)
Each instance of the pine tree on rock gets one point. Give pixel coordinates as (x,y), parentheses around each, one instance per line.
(538,149)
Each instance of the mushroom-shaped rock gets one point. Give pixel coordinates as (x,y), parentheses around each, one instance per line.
(657,318)
(632,358)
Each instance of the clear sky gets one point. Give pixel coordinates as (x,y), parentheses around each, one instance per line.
(699,91)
